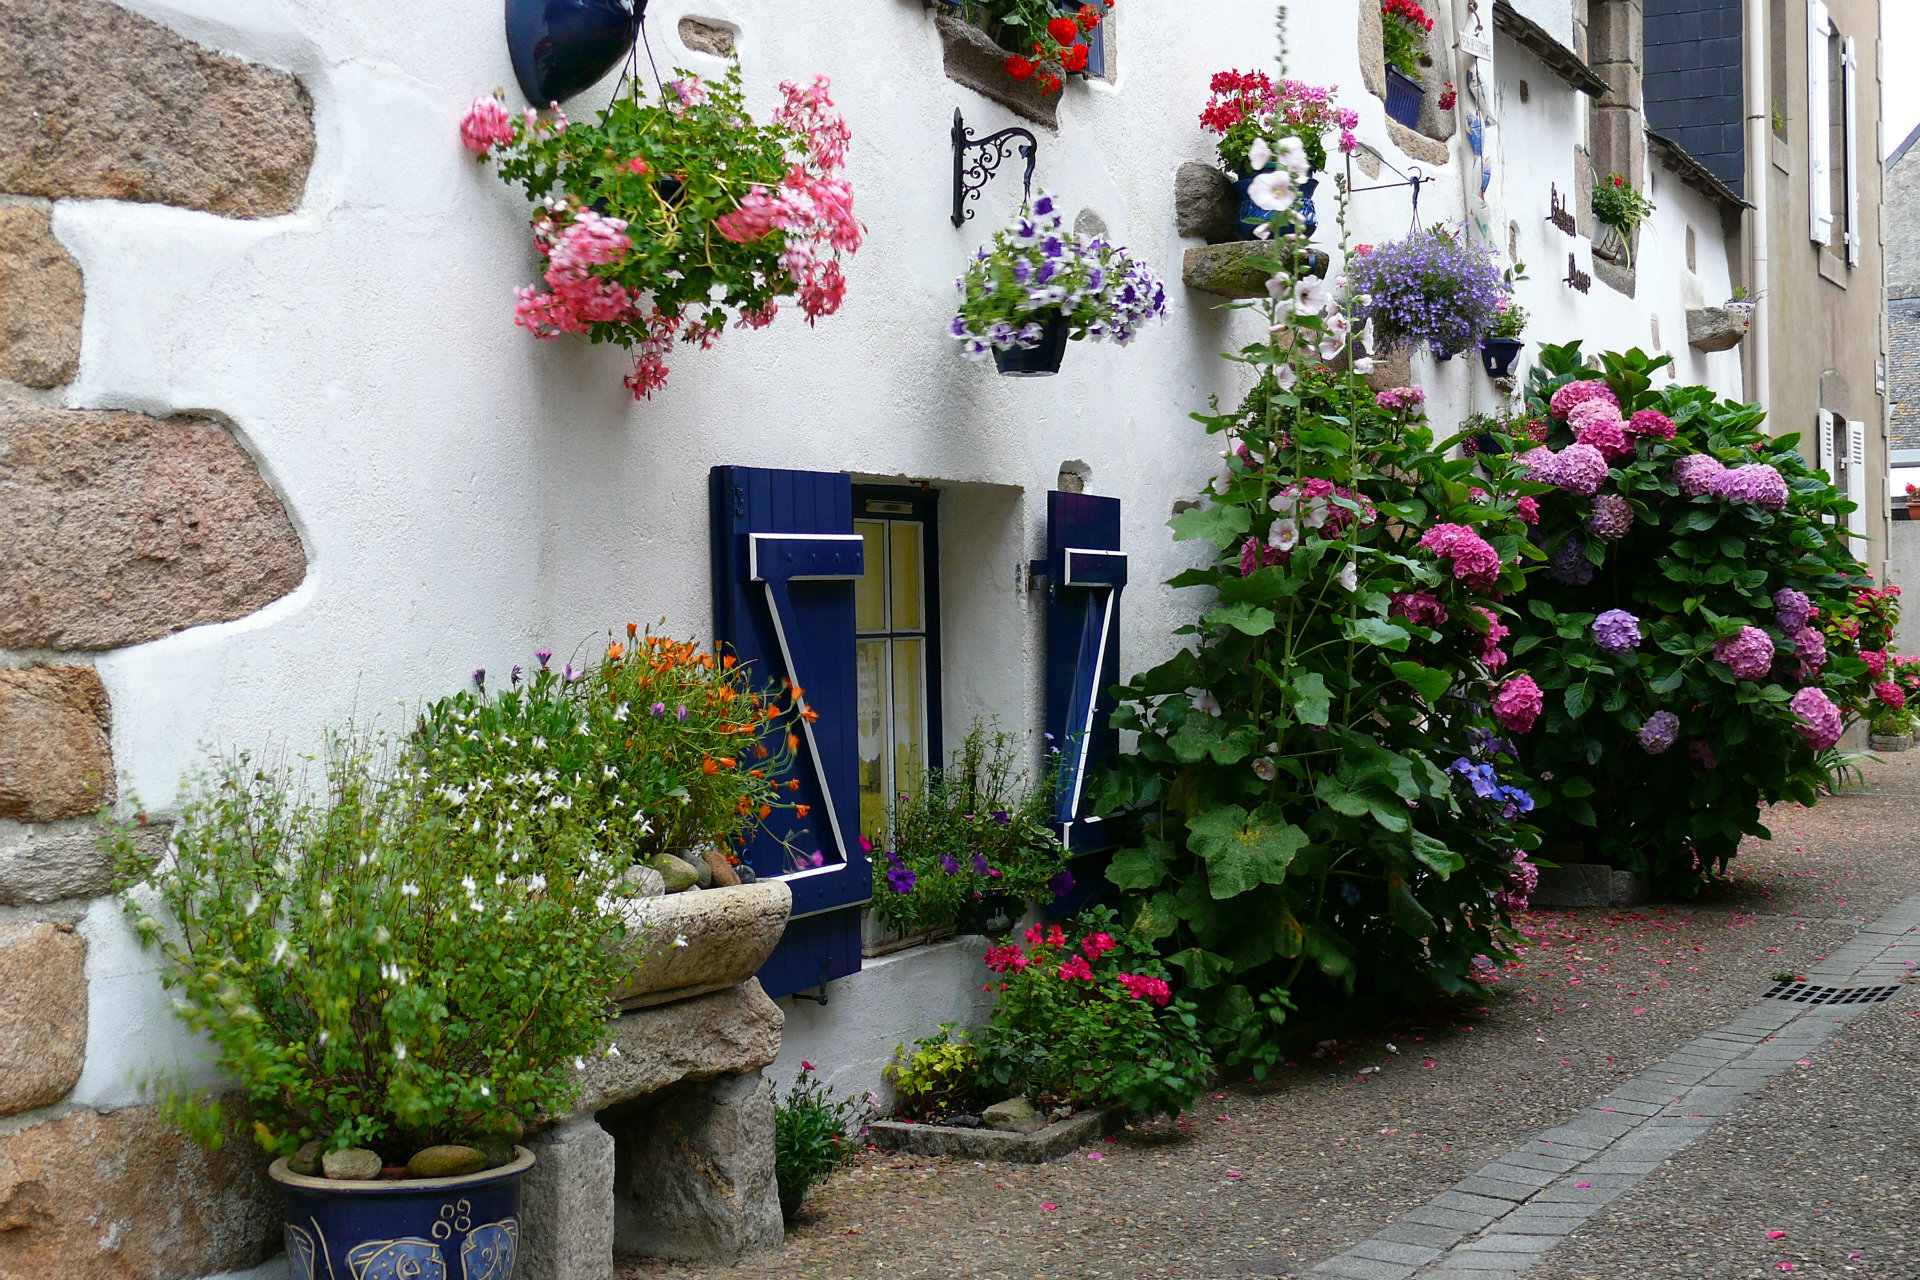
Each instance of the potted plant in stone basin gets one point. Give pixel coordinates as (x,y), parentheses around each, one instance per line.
(1404,27)
(1254,117)
(1502,345)
(1037,284)
(1046,39)
(399,993)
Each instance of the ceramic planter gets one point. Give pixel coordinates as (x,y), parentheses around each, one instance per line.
(1404,95)
(1042,361)
(560,47)
(1498,355)
(448,1228)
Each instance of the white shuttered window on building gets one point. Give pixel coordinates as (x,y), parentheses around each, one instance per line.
(1849,67)
(1857,482)
(1819,124)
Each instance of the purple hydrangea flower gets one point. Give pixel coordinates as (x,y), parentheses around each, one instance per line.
(1698,473)
(1792,609)
(1617,631)
(1749,653)
(1757,484)
(1612,517)
(1660,732)
(1568,565)
(1580,468)
(1810,647)
(1820,722)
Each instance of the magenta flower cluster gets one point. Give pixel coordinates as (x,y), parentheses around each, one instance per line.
(1820,722)
(1474,562)
(1584,391)
(1749,653)
(1519,703)
(1421,608)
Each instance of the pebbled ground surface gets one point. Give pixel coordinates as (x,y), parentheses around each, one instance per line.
(1264,1180)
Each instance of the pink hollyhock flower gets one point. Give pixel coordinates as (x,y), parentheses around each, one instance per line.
(1474,562)
(1422,608)
(1519,703)
(1651,422)
(1749,653)
(486,125)
(1820,721)
(1876,660)
(1891,694)
(1575,394)
(1580,468)
(1698,473)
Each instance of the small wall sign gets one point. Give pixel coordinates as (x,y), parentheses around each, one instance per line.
(1562,216)
(1579,279)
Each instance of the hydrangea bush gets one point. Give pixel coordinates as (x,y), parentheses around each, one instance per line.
(672,214)
(1673,631)
(1035,271)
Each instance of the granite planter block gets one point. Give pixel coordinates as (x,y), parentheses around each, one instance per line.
(1716,328)
(1590,884)
(693,943)
(1050,1143)
(1240,269)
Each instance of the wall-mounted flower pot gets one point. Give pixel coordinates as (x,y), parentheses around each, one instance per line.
(1404,95)
(1252,216)
(1488,445)
(560,47)
(1036,362)
(467,1226)
(1498,355)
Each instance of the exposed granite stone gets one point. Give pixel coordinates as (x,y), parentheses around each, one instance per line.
(43,1015)
(703,940)
(1204,203)
(707,37)
(56,759)
(40,301)
(695,1174)
(724,1033)
(1373,51)
(1416,144)
(1391,369)
(973,59)
(567,1205)
(97,102)
(1239,268)
(51,862)
(127,1196)
(1715,328)
(128,528)
(1048,1143)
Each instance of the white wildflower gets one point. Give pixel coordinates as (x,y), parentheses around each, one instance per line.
(1350,577)
(1205,701)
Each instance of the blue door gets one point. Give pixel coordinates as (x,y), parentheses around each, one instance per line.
(785,559)
(1086,572)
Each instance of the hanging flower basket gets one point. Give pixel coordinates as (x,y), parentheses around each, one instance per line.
(1436,286)
(560,47)
(1037,284)
(668,217)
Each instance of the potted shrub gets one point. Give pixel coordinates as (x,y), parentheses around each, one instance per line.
(1913,502)
(810,1138)
(1253,117)
(1046,40)
(670,215)
(1037,284)
(1619,210)
(398,991)
(1891,731)
(1404,27)
(1502,345)
(1436,287)
(1494,435)
(1740,304)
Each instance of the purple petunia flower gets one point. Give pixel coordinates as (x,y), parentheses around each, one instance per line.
(901,880)
(1616,631)
(1061,884)
(1659,733)
(543,655)
(949,864)
(981,865)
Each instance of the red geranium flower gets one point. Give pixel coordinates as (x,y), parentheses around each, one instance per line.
(1049,82)
(1064,31)
(1089,17)
(1075,59)
(1019,68)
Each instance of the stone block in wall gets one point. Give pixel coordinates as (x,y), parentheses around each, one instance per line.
(97,102)
(707,37)
(124,1195)
(124,528)
(56,758)
(1203,202)
(694,1172)
(974,60)
(43,1015)
(1391,369)
(699,942)
(40,301)
(724,1033)
(1715,328)
(1373,51)
(1416,144)
(566,1204)
(43,862)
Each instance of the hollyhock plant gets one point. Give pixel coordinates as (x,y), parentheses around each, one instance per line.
(1436,287)
(620,202)
(1035,271)
(1669,612)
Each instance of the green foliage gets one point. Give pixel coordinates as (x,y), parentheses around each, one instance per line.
(1092,1021)
(1692,571)
(1403,33)
(810,1138)
(1892,724)
(937,1078)
(977,826)
(657,749)
(1509,321)
(1617,205)
(373,972)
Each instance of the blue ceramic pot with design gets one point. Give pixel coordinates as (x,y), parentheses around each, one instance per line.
(1252,215)
(464,1228)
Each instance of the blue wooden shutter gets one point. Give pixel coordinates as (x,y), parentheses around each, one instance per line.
(785,557)
(1086,572)
(1096,39)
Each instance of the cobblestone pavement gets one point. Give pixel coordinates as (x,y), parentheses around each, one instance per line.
(1277,1179)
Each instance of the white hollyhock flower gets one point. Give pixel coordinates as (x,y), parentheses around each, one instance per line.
(1363,366)
(1350,577)
(1285,535)
(1205,701)
(1293,154)
(1311,295)
(1259,155)
(1272,190)
(1286,377)
(1280,287)
(1264,769)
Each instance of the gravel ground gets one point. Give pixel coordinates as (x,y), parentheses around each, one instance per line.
(1264,1180)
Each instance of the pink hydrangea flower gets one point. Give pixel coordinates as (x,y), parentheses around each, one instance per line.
(1529,510)
(486,125)
(1422,608)
(1891,695)
(1750,653)
(1492,656)
(1811,648)
(1820,721)
(1651,422)
(1522,880)
(1698,473)
(1539,464)
(1876,660)
(1519,703)
(1757,484)
(1612,518)
(1580,468)
(1575,394)
(1598,423)
(1474,562)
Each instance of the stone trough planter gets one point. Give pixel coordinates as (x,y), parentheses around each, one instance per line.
(1590,884)
(1879,743)
(1056,1140)
(700,941)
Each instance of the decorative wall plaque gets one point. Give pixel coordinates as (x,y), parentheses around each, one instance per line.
(1562,216)
(1576,277)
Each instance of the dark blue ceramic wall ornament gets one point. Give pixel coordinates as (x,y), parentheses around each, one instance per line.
(560,47)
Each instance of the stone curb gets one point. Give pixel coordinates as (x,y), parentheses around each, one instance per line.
(1047,1144)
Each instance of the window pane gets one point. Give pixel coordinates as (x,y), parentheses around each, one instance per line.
(869,589)
(907,576)
(909,712)
(871,676)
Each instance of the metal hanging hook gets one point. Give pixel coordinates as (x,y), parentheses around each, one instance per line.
(969,179)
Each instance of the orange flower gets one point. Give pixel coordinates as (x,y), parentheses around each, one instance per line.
(708,766)
(809,714)
(793,742)
(802,810)
(728,661)
(793,784)
(743,804)
(729,761)
(755,773)
(766,809)
(616,651)
(631,628)
(760,750)
(798,691)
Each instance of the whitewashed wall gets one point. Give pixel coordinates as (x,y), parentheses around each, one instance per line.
(468,494)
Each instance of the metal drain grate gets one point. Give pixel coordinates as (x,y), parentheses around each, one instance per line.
(1807,993)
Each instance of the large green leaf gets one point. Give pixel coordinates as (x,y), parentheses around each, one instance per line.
(1158,918)
(1387,635)
(1251,619)
(1312,702)
(1408,913)
(1244,850)
(1429,682)
(1140,868)
(1220,524)
(1435,854)
(1203,968)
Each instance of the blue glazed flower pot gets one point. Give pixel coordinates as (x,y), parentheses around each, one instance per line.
(560,47)
(1498,355)
(409,1229)
(1252,215)
(1404,95)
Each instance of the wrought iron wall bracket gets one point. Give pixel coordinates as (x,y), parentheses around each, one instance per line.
(971,176)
